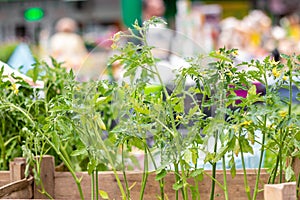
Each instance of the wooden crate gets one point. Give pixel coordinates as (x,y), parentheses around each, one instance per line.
(60,185)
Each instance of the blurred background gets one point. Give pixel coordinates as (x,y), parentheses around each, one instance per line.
(256,27)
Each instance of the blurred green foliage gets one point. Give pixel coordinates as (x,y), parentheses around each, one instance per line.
(6,50)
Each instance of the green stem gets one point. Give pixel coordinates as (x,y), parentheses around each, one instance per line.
(124,174)
(177,178)
(73,173)
(38,170)
(197,193)
(280,157)
(161,182)
(93,185)
(225,178)
(184,180)
(97,184)
(2,145)
(260,159)
(107,153)
(216,181)
(145,175)
(290,90)
(247,187)
(274,171)
(214,167)
(22,111)
(66,155)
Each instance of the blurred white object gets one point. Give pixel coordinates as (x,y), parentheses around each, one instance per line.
(278,33)
(10,72)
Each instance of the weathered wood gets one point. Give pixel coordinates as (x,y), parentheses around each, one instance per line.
(47,178)
(17,169)
(61,185)
(14,183)
(65,187)
(17,189)
(4,177)
(283,191)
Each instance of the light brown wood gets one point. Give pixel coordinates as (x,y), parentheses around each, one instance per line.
(61,185)
(4,177)
(47,178)
(283,191)
(65,187)
(17,169)
(18,189)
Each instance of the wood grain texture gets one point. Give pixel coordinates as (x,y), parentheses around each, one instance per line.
(283,191)
(17,189)
(65,187)
(47,178)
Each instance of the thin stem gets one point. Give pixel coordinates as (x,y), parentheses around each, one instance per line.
(214,167)
(177,178)
(77,180)
(66,155)
(97,184)
(38,170)
(93,185)
(260,159)
(2,144)
(22,111)
(124,174)
(280,157)
(161,182)
(102,144)
(290,89)
(225,178)
(274,171)
(145,175)
(183,177)
(197,193)
(216,181)
(247,188)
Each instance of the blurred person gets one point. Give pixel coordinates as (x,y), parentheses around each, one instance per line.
(153,8)
(158,35)
(67,46)
(282,8)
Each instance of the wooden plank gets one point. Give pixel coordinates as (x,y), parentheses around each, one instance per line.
(283,191)
(17,189)
(65,187)
(4,177)
(17,169)
(47,178)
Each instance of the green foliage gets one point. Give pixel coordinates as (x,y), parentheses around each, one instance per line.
(6,50)
(97,125)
